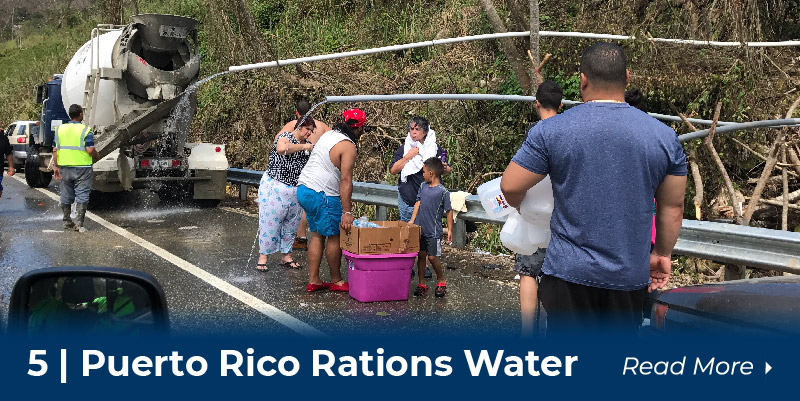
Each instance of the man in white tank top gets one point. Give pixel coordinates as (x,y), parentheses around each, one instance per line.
(325,187)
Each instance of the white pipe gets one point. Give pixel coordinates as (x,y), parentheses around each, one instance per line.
(434,42)
(489,97)
(375,50)
(579,35)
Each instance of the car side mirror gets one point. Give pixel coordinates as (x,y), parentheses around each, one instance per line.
(87,300)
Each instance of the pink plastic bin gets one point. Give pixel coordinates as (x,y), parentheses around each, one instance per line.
(379,277)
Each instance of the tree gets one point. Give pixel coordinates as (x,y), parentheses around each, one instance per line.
(515,56)
(534,38)
(113,12)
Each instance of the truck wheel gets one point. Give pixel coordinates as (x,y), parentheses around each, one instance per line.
(35,177)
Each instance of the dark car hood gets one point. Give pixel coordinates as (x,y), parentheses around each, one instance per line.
(771,303)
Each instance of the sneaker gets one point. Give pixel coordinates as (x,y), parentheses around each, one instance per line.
(316,287)
(420,290)
(441,289)
(344,287)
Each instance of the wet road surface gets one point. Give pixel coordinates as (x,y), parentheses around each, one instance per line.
(205,261)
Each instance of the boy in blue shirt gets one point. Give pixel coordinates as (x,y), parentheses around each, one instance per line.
(433,201)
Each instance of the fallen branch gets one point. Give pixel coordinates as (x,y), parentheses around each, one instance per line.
(539,78)
(774,203)
(789,78)
(480,177)
(708,142)
(698,185)
(793,196)
(698,180)
(762,157)
(796,160)
(772,159)
(772,180)
(785,208)
(687,122)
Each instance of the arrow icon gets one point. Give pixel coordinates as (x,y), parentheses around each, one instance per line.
(767,368)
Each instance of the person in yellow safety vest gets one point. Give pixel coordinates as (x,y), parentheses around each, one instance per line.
(73,156)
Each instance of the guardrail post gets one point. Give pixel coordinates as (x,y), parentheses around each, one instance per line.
(734,272)
(460,233)
(381,213)
(243,188)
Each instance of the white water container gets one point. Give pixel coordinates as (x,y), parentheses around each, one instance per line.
(492,199)
(539,236)
(538,201)
(515,235)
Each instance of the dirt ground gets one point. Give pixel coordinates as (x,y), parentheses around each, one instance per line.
(467,261)
(687,271)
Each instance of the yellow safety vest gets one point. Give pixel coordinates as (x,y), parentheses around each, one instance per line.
(71,145)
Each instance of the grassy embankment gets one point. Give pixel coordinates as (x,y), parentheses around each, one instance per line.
(244,110)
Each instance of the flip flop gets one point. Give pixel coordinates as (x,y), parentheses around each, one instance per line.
(291,265)
(262,267)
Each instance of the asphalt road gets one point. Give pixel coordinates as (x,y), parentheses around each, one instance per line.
(205,261)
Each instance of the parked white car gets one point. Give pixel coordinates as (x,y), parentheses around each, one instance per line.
(18,133)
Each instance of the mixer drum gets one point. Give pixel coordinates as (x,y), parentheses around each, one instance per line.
(159,54)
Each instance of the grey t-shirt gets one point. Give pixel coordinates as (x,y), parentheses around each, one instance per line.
(434,202)
(605,161)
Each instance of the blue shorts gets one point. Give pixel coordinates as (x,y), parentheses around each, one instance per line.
(324,213)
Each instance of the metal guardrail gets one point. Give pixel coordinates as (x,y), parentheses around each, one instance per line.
(724,243)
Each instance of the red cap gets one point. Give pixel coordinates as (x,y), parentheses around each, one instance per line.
(355,114)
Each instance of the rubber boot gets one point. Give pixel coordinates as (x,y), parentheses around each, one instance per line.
(80,214)
(67,210)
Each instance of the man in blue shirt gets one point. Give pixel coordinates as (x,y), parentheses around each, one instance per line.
(607,161)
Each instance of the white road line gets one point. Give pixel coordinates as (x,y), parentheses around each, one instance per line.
(270,311)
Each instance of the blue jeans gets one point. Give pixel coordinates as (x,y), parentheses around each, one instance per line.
(405,210)
(76,184)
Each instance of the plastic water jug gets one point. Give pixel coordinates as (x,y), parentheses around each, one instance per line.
(516,235)
(524,233)
(539,236)
(492,199)
(538,201)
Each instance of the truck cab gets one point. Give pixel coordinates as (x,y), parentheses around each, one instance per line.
(40,140)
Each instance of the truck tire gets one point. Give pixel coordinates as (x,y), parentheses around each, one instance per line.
(33,176)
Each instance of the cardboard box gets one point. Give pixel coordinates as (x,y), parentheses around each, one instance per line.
(394,237)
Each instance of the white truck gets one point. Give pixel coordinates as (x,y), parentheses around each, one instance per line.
(135,83)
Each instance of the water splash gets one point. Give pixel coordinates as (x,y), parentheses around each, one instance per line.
(250,256)
(180,120)
(311,110)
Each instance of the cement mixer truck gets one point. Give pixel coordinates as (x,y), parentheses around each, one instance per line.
(135,83)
